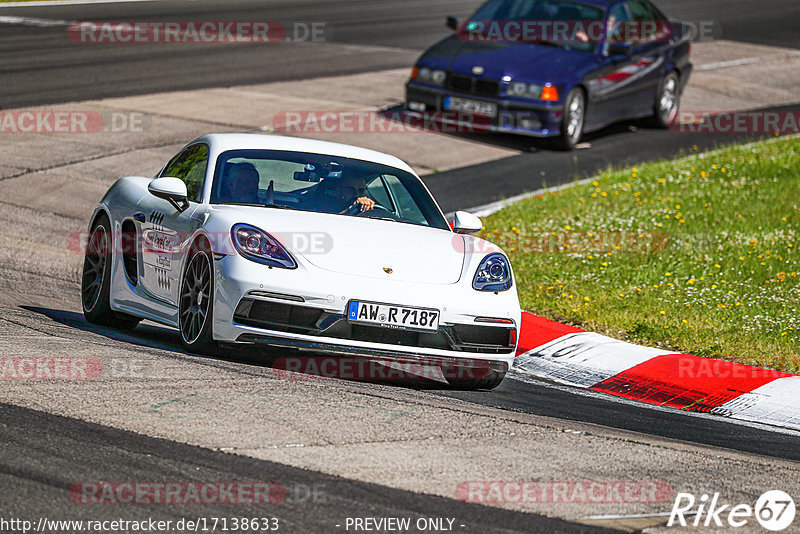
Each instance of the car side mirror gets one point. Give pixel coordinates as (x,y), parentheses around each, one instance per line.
(466,223)
(453,22)
(620,49)
(170,189)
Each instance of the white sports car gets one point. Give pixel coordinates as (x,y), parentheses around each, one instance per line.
(286,242)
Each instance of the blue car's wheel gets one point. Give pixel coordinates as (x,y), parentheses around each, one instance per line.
(667,101)
(572,119)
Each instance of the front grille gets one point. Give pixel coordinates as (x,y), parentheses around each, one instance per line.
(277,316)
(486,88)
(284,317)
(473,86)
(460,83)
(478,338)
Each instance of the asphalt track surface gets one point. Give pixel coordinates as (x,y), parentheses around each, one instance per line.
(533,397)
(39,452)
(41,66)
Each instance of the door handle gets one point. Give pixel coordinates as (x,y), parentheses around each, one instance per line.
(139,216)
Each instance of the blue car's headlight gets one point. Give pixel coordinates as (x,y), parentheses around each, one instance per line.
(257,245)
(425,74)
(528,90)
(494,274)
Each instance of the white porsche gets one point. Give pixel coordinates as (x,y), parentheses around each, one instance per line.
(293,243)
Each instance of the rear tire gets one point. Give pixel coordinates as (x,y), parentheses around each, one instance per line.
(196,302)
(668,99)
(572,120)
(486,379)
(96,280)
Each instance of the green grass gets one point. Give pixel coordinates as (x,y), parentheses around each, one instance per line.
(697,255)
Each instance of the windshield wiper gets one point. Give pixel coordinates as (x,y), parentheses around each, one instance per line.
(260,205)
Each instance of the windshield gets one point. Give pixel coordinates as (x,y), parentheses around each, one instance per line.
(569,24)
(323,184)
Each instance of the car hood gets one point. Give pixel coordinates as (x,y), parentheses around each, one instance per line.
(361,246)
(520,60)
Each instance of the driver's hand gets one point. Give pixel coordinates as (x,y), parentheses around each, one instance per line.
(366,203)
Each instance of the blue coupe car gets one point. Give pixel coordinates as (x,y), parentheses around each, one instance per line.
(555,68)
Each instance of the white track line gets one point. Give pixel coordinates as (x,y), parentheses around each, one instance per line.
(69,3)
(630,516)
(33,21)
(485,210)
(743,61)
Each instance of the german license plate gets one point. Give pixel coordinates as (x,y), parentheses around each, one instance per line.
(471,106)
(392,316)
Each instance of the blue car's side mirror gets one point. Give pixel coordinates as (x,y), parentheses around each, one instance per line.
(452,23)
(620,49)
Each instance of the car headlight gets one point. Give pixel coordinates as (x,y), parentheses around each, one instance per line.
(259,246)
(494,274)
(436,76)
(528,90)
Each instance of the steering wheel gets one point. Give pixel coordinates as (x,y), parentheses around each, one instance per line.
(355,209)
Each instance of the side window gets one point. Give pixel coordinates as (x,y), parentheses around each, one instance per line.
(647,22)
(616,24)
(406,206)
(377,190)
(190,166)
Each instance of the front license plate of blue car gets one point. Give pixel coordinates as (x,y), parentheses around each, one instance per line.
(472,106)
(391,316)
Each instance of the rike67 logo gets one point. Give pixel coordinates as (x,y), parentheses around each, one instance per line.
(774,511)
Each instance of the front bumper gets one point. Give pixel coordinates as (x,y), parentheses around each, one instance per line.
(306,310)
(513,116)
(374,353)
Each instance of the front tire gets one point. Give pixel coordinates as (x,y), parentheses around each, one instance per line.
(96,280)
(668,99)
(572,120)
(196,302)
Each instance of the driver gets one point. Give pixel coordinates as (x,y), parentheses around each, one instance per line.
(345,194)
(241,184)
